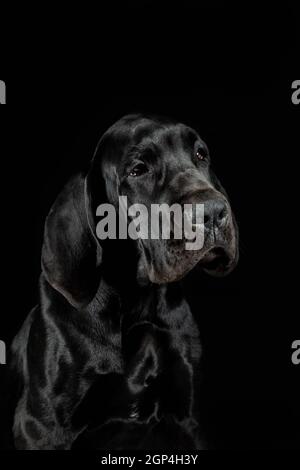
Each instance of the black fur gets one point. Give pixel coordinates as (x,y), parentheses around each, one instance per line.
(109,358)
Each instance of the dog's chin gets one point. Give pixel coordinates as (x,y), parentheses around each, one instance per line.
(217,262)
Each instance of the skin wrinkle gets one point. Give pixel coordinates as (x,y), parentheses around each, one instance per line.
(110,358)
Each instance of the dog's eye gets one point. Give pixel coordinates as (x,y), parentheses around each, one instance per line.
(138,170)
(200,155)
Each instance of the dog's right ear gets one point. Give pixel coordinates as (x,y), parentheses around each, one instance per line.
(71,253)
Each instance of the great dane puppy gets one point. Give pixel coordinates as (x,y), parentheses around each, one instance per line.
(109,357)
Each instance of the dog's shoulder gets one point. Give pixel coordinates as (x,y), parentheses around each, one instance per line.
(20,344)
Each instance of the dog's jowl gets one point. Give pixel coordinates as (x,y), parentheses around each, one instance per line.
(109,358)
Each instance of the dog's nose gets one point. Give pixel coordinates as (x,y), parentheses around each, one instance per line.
(215,213)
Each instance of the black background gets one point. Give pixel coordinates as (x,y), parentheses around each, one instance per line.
(225,71)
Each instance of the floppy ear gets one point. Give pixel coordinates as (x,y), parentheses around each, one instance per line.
(71,254)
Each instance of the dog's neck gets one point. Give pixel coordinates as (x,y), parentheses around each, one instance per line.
(135,303)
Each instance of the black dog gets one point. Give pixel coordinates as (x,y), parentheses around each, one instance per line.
(109,358)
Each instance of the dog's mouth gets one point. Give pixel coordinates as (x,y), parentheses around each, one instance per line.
(217,260)
(164,261)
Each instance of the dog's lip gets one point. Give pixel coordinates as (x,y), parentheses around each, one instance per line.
(213,252)
(213,256)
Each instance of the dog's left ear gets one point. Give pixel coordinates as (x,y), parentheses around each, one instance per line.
(71,253)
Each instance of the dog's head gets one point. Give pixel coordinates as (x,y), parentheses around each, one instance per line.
(150,161)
